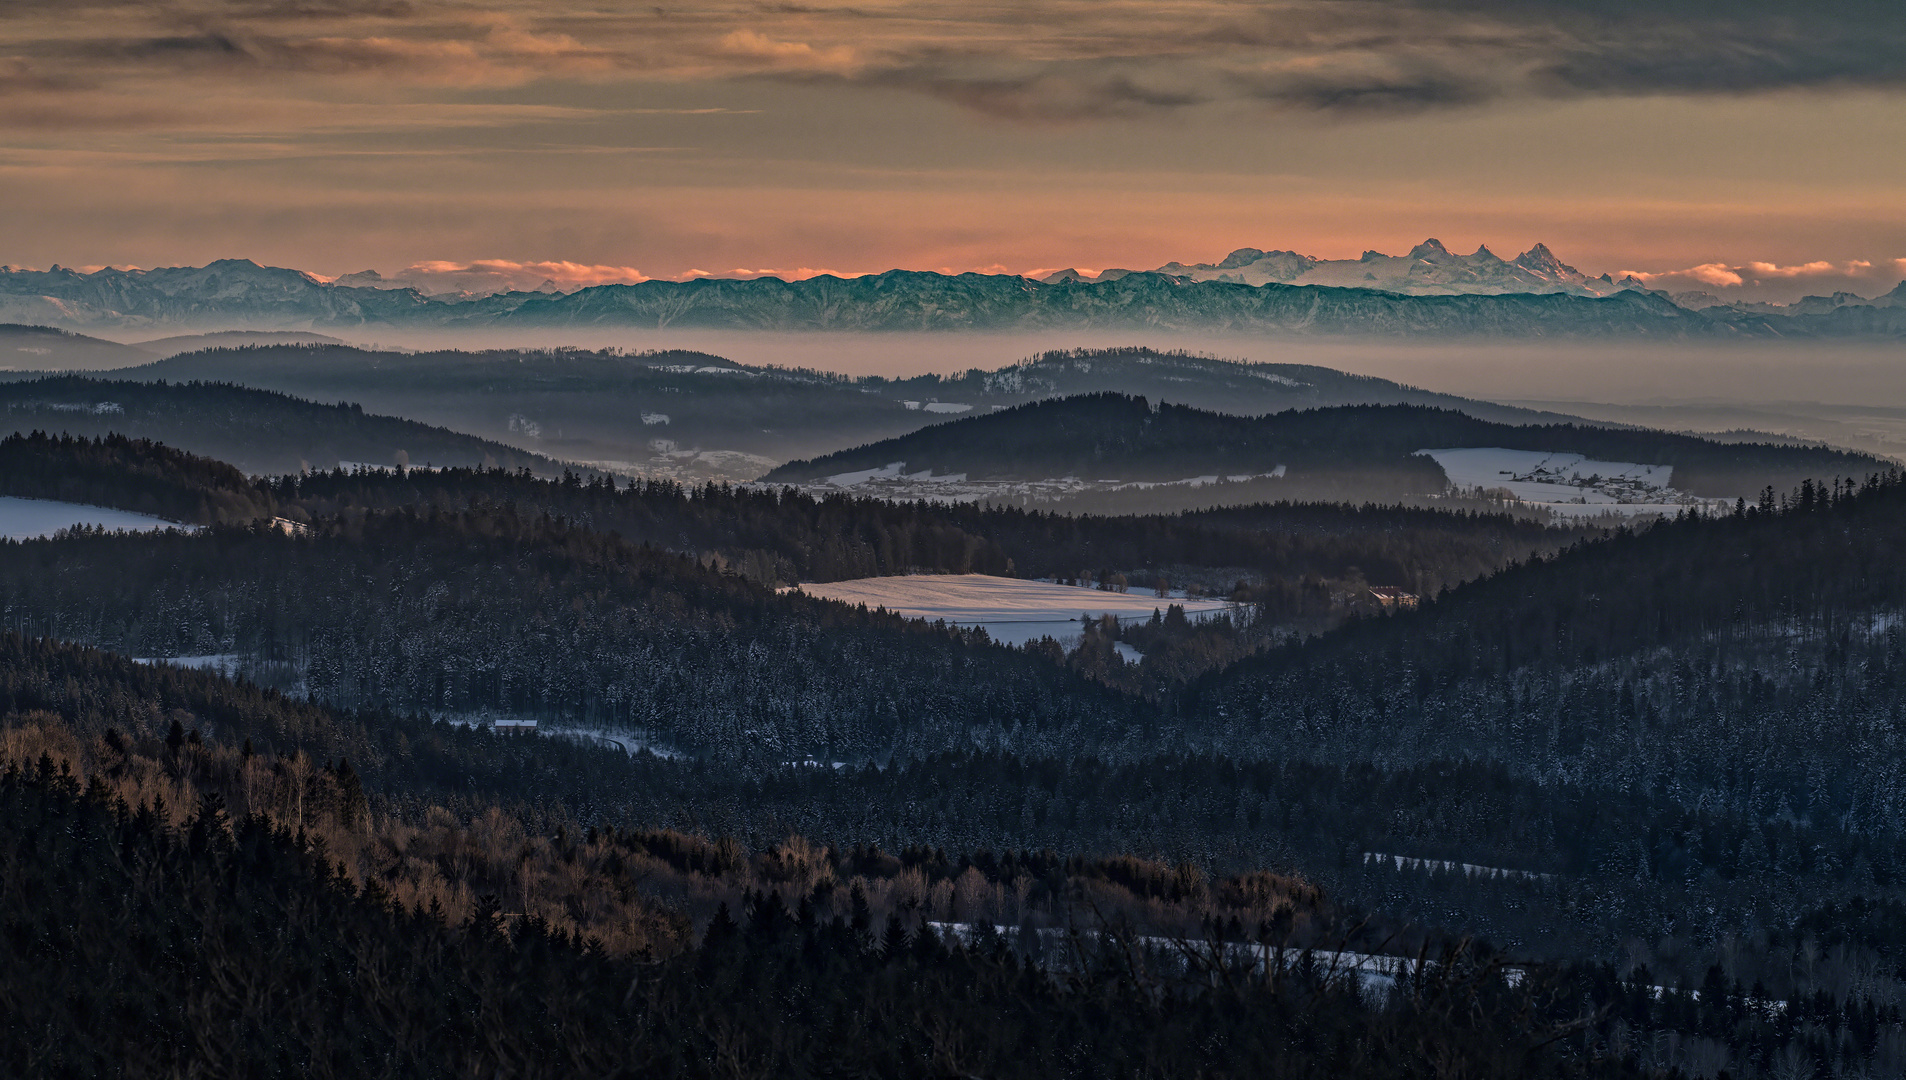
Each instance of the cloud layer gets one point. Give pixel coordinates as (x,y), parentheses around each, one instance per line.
(1026,59)
(1772,281)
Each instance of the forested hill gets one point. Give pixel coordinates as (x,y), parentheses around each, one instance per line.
(1098,436)
(1716,807)
(506,614)
(128,474)
(45,349)
(693,415)
(266,903)
(258,431)
(1753,662)
(1823,560)
(783,537)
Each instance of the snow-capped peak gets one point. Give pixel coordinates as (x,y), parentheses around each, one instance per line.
(1429,268)
(1542,261)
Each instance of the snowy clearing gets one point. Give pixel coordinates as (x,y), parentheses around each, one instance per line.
(30,519)
(217,663)
(893,481)
(1012,610)
(1376,973)
(1568,484)
(891,471)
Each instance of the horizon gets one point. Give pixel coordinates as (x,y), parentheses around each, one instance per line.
(1752,283)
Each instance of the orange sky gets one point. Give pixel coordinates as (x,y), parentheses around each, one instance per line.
(340,135)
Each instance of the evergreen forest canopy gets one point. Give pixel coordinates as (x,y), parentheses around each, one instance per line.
(781,537)
(1631,798)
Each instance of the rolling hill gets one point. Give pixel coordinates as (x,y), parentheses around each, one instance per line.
(694,416)
(1344,453)
(42,348)
(259,431)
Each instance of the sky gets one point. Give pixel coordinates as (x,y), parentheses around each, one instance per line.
(1745,147)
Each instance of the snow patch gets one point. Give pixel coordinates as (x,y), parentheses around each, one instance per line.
(1569,484)
(892,471)
(33,519)
(1013,611)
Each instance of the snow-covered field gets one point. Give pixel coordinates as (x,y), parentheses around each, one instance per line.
(893,481)
(1376,973)
(892,471)
(28,519)
(1013,611)
(1568,484)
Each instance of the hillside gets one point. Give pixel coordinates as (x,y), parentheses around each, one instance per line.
(342,919)
(42,348)
(694,416)
(1635,743)
(259,431)
(783,537)
(1353,453)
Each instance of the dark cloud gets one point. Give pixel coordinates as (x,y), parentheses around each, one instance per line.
(1406,90)
(1599,47)
(293,10)
(1384,56)
(1031,60)
(1073,93)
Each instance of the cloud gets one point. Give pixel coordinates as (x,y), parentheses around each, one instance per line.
(1769,280)
(798,273)
(1019,59)
(498,275)
(796,55)
(113,45)
(1060,59)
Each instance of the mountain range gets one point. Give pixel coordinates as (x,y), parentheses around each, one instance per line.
(1430,269)
(1430,292)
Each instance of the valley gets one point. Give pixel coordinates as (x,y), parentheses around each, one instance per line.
(1414,687)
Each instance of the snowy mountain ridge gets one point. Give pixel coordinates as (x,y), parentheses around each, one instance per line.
(1430,269)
